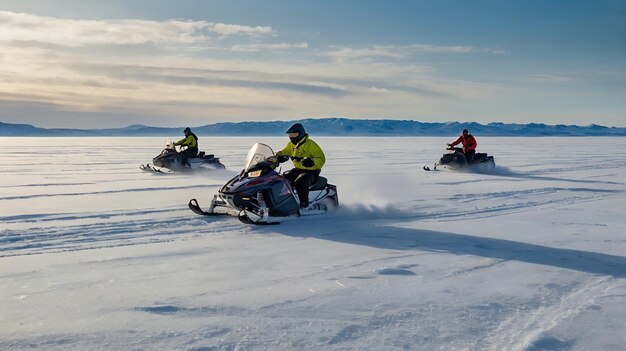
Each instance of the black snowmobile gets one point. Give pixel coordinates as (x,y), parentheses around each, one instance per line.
(171,160)
(261,195)
(455,159)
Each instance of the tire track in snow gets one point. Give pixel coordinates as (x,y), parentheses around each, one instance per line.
(22,197)
(522,329)
(614,163)
(102,234)
(525,205)
(47,217)
(521,193)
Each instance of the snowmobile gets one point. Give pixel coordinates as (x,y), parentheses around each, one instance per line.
(261,195)
(171,160)
(455,159)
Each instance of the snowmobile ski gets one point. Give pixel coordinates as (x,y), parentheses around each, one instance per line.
(150,169)
(243,218)
(195,208)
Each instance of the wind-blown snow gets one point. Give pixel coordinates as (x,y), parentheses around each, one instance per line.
(95,254)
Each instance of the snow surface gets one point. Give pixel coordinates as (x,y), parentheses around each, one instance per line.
(95,254)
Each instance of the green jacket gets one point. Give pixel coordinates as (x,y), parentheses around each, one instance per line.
(305,148)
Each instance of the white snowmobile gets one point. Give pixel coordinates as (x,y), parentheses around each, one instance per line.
(261,195)
(172,161)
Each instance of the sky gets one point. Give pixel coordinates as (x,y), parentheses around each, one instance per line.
(96,64)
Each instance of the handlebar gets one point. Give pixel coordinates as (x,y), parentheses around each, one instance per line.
(454,148)
(283,158)
(277,159)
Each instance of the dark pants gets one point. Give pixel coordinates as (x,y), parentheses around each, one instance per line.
(302,179)
(188,153)
(469,156)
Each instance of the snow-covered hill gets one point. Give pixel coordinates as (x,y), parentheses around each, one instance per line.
(330,127)
(95,254)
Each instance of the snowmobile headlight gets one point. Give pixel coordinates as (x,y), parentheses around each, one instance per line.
(254,174)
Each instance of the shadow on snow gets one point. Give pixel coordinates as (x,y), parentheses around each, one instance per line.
(386,236)
(500,171)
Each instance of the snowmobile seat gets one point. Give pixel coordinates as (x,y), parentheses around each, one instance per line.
(320,184)
(480,156)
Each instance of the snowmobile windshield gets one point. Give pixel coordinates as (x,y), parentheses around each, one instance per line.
(258,153)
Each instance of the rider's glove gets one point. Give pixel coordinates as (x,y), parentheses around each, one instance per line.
(449,144)
(307,162)
(283,158)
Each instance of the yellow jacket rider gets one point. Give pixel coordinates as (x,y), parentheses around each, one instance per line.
(191,142)
(308,160)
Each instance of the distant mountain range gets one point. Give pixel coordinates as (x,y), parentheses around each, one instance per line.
(330,127)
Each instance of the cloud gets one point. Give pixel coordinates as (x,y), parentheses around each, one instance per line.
(345,53)
(452,49)
(273,47)
(551,78)
(195,86)
(71,32)
(377,90)
(230,29)
(402,51)
(372,53)
(212,78)
(123,111)
(199,70)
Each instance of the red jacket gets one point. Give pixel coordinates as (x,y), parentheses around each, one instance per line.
(469,142)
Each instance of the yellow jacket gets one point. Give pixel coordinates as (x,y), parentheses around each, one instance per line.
(305,148)
(189,141)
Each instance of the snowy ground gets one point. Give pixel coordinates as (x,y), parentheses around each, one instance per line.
(95,254)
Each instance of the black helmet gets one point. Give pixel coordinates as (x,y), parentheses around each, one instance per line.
(187,130)
(296,128)
(465,132)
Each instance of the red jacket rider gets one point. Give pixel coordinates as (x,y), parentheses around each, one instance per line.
(468,140)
